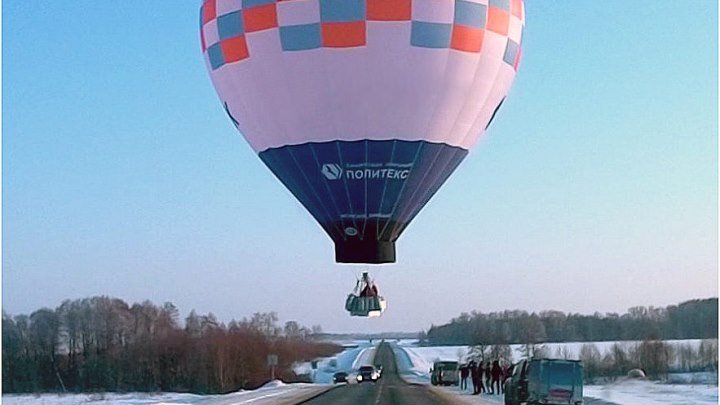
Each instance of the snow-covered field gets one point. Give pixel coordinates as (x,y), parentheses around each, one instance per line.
(633,392)
(571,349)
(414,364)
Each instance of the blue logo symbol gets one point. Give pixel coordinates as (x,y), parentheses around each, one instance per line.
(332,171)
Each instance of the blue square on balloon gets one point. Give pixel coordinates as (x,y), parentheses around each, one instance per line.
(503,4)
(470,14)
(230,25)
(215,56)
(253,3)
(342,10)
(299,37)
(511,51)
(430,35)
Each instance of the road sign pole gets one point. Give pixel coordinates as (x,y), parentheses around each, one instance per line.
(272,361)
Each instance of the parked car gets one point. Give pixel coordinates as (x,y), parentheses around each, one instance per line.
(445,373)
(340,377)
(367,374)
(545,381)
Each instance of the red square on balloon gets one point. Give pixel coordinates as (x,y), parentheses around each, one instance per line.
(467,39)
(260,17)
(389,10)
(343,34)
(516,8)
(234,49)
(498,20)
(209,11)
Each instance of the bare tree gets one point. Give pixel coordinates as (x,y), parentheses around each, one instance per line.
(655,357)
(44,327)
(102,343)
(591,358)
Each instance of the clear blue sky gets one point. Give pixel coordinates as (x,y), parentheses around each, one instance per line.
(595,189)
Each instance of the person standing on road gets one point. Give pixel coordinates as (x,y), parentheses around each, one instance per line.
(496,374)
(487,372)
(472,370)
(506,374)
(476,371)
(464,372)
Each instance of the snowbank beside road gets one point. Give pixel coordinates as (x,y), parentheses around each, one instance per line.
(273,393)
(411,367)
(101,399)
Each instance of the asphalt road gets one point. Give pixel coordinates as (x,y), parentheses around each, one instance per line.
(389,390)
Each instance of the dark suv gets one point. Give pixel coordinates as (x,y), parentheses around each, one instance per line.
(545,381)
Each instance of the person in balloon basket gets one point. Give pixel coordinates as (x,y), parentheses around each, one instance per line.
(370,289)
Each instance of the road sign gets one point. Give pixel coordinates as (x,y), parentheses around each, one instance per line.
(272,361)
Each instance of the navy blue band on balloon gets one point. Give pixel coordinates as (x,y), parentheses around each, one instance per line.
(364,193)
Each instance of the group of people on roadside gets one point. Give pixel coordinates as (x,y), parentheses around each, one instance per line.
(488,378)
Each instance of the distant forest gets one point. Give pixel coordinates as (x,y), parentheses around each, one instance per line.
(696,319)
(104,344)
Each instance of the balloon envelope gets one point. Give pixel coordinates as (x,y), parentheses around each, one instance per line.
(362,108)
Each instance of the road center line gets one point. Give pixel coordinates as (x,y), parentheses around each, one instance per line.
(379,394)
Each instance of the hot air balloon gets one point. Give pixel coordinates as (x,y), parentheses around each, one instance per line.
(362,108)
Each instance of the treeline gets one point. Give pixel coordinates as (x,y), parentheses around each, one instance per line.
(104,344)
(696,319)
(656,358)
